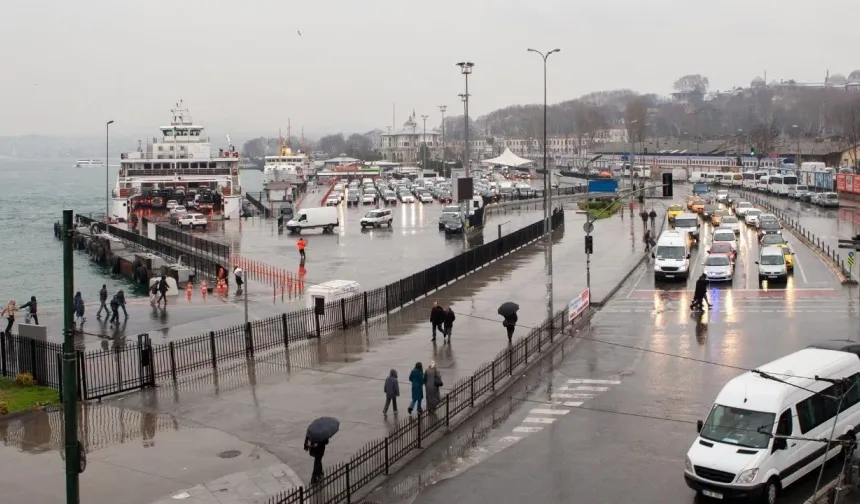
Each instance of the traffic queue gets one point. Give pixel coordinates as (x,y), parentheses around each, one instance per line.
(723,216)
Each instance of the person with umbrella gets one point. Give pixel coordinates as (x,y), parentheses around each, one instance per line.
(416,378)
(509,312)
(320,431)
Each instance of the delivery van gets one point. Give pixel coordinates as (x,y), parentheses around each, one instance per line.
(766,427)
(672,256)
(325,218)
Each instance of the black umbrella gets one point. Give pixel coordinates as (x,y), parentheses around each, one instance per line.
(508,309)
(322,429)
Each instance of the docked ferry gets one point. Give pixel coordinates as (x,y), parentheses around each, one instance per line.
(180,166)
(287,166)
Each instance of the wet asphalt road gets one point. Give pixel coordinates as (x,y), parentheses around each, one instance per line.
(614,419)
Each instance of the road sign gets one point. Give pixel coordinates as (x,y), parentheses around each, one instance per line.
(588,227)
(851,254)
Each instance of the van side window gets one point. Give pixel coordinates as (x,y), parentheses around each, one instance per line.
(852,393)
(817,409)
(784,427)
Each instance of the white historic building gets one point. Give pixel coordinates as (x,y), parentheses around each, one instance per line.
(404,146)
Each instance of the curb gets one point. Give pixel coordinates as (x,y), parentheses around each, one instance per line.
(479,407)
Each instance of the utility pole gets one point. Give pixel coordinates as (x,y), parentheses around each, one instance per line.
(70,370)
(443,108)
(107,171)
(547,200)
(424,145)
(466,70)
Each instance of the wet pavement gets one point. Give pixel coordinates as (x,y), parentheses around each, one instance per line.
(611,419)
(269,403)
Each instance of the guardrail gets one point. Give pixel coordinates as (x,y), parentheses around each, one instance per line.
(256,202)
(190,242)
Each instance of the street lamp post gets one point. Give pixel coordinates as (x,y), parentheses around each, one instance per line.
(466,70)
(443,108)
(424,145)
(461,204)
(107,171)
(547,229)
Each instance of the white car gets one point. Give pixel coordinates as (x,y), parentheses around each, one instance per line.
(725,235)
(178,210)
(722,195)
(377,218)
(718,268)
(426,197)
(171,204)
(407,198)
(368,199)
(742,208)
(332,201)
(730,222)
(751,216)
(193,220)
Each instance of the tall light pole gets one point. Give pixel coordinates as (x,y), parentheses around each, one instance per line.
(424,145)
(466,70)
(443,108)
(547,225)
(107,170)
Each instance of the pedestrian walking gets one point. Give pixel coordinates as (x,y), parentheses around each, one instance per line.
(630,206)
(103,297)
(647,239)
(9,313)
(432,383)
(700,295)
(653,216)
(317,451)
(162,290)
(450,317)
(392,392)
(79,305)
(301,244)
(120,296)
(510,324)
(114,306)
(33,314)
(437,319)
(153,292)
(416,378)
(644,216)
(237,273)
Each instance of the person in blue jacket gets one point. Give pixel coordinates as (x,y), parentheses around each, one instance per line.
(416,378)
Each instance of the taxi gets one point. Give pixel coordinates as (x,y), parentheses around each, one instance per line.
(698,206)
(717,217)
(690,201)
(674,211)
(789,256)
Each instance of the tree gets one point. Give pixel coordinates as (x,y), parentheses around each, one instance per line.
(692,84)
(423,151)
(763,139)
(332,145)
(255,148)
(359,146)
(635,114)
(848,120)
(588,119)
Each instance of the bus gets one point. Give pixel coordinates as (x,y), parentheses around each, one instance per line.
(788,183)
(751,178)
(761,183)
(773,183)
(737,180)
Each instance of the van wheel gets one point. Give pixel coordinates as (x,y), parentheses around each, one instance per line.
(771,491)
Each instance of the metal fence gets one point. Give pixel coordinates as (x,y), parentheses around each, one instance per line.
(204,266)
(141,364)
(257,202)
(375,459)
(191,242)
(20,354)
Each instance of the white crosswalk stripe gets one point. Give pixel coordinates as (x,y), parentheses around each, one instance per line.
(527,430)
(539,411)
(593,389)
(539,420)
(596,382)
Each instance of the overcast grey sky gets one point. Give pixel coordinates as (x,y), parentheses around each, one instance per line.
(242,67)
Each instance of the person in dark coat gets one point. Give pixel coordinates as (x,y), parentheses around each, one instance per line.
(437,319)
(120,296)
(450,317)
(700,294)
(162,290)
(103,297)
(317,451)
(416,378)
(34,310)
(432,382)
(653,216)
(79,309)
(510,324)
(114,307)
(392,391)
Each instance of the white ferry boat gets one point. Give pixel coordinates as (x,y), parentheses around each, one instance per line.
(179,166)
(89,163)
(287,166)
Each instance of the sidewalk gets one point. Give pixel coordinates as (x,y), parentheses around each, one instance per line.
(341,376)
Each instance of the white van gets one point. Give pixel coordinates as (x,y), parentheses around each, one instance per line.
(761,184)
(672,256)
(687,223)
(311,218)
(696,176)
(743,447)
(771,264)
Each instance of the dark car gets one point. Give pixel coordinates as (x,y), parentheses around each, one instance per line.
(709,210)
(839,345)
(453,227)
(769,227)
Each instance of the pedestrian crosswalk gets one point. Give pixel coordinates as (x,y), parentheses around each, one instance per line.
(563,399)
(724,303)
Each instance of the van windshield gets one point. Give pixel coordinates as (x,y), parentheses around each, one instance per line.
(671,252)
(687,222)
(738,427)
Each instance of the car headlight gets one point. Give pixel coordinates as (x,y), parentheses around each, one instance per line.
(748,476)
(688,465)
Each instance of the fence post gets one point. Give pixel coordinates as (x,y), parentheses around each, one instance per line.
(472,391)
(510,359)
(343,314)
(3,355)
(448,410)
(366,317)
(286,333)
(249,341)
(212,353)
(83,387)
(493,375)
(60,373)
(418,426)
(172,350)
(526,345)
(385,470)
(348,489)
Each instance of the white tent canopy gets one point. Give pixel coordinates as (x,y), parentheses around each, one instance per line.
(508,158)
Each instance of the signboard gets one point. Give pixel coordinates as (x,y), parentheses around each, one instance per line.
(459,191)
(840,182)
(603,186)
(850,258)
(577,305)
(849,182)
(855,187)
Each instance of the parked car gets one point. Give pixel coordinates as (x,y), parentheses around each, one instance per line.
(829,200)
(389,197)
(193,220)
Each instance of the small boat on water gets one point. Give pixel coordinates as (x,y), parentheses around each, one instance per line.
(89,163)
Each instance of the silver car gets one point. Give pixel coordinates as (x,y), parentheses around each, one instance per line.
(718,268)
(829,199)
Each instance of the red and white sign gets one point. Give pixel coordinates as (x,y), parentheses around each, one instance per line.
(577,305)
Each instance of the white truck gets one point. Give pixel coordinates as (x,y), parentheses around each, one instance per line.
(325,218)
